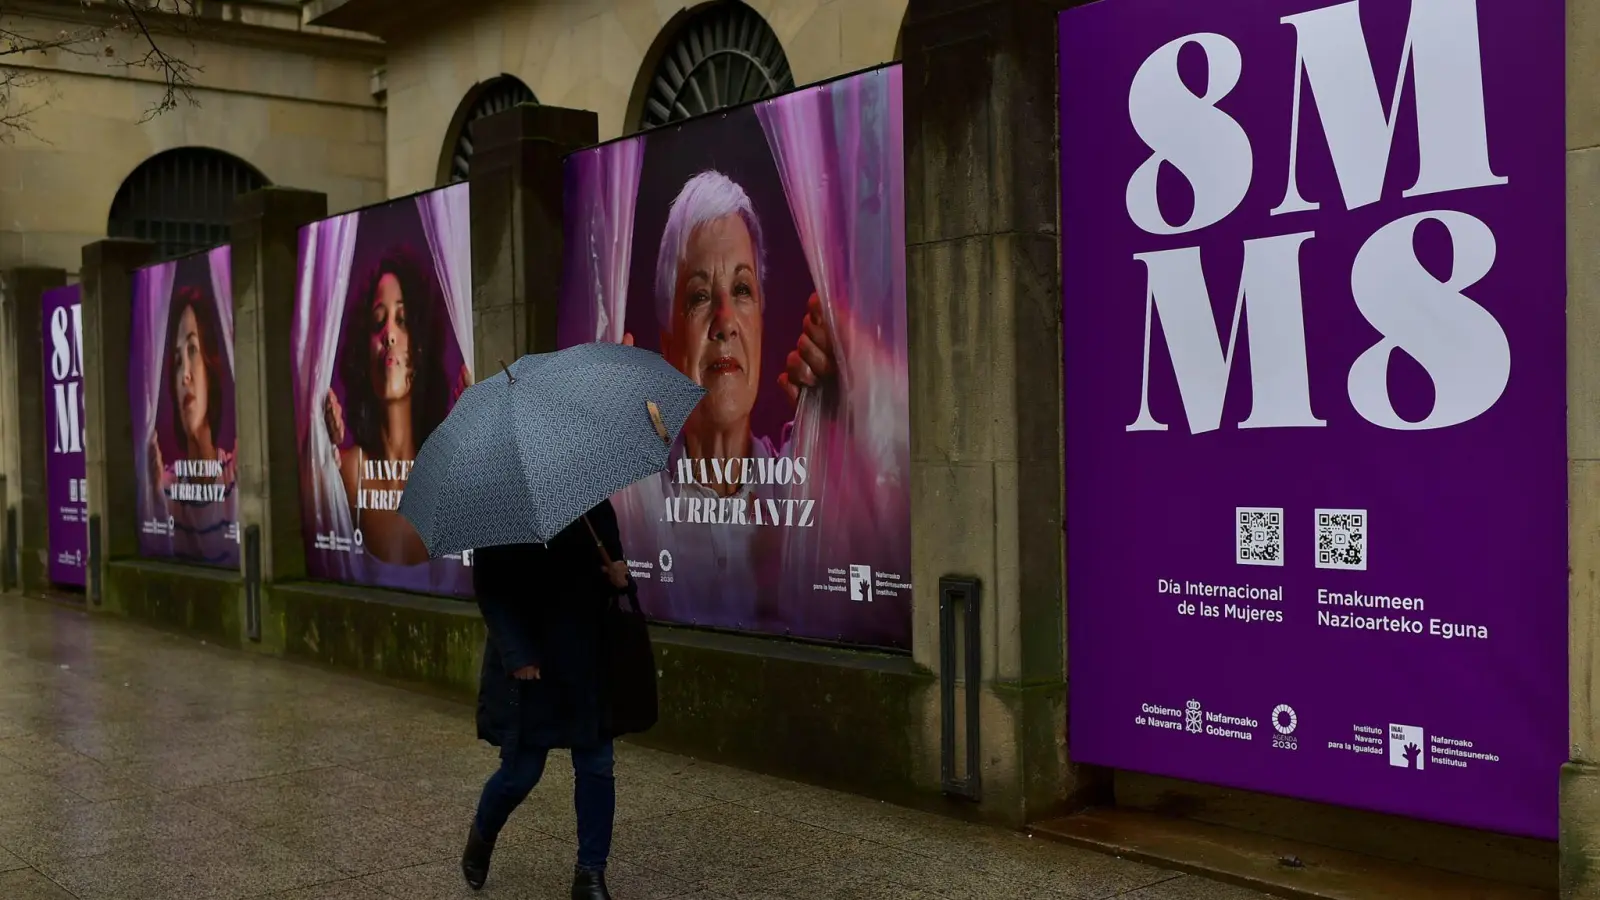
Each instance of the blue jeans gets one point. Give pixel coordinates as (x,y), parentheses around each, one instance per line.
(594,797)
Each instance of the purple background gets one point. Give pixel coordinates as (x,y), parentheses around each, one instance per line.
(68,518)
(1471,518)
(193,271)
(849,160)
(394,224)
(733,144)
(397,223)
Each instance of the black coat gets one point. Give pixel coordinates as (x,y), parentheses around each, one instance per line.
(545,605)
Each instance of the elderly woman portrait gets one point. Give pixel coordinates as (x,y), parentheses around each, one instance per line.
(711,305)
(195,366)
(391,365)
(710,293)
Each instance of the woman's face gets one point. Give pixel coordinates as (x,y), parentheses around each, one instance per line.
(716,335)
(390,343)
(190,385)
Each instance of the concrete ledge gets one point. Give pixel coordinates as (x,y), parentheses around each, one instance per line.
(841,718)
(837,717)
(409,637)
(1283,867)
(194,599)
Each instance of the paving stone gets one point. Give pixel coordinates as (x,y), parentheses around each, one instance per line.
(156,768)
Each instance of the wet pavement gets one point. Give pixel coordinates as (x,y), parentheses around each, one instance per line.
(139,765)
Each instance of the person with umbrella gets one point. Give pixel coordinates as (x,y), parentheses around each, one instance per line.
(542,685)
(520,472)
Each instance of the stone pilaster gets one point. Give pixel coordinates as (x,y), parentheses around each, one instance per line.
(1580,778)
(265,240)
(22,409)
(984,291)
(516,190)
(107,279)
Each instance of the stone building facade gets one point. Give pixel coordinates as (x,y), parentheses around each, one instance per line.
(369,99)
(597,55)
(277,101)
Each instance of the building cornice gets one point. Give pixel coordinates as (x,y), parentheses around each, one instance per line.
(380,17)
(224,23)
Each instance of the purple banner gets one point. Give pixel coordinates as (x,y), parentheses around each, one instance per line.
(382,341)
(180,390)
(66,488)
(1314,264)
(762,252)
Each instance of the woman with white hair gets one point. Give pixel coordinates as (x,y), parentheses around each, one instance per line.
(710,304)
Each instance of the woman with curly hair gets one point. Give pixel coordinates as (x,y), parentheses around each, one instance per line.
(391,365)
(199,489)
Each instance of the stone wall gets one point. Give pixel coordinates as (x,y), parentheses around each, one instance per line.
(589,55)
(298,107)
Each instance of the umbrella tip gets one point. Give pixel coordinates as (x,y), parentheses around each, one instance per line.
(655,419)
(510,378)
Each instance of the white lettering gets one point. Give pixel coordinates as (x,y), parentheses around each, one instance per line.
(1442,54)
(69,429)
(1458,342)
(1278,373)
(1189,133)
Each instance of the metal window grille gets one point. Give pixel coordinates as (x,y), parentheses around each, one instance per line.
(181,200)
(724,55)
(496,96)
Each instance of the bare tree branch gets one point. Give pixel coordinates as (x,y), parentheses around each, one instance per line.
(15,116)
(150,27)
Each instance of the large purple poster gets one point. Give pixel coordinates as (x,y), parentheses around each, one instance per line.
(381,344)
(180,392)
(762,252)
(1315,399)
(66,488)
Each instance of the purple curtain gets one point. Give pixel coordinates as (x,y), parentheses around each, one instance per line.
(221,260)
(152,299)
(327,249)
(602,190)
(448,229)
(839,148)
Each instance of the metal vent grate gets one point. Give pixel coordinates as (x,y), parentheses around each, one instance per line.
(724,55)
(181,200)
(496,96)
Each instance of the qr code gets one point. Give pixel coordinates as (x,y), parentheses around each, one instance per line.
(1259,535)
(1342,539)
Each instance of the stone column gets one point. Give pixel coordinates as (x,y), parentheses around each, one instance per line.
(516,190)
(1580,778)
(107,279)
(984,293)
(265,240)
(22,407)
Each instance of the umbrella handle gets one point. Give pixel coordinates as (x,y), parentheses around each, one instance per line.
(605,555)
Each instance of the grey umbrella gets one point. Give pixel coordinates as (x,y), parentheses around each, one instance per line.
(527,452)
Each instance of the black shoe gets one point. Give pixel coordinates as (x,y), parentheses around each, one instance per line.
(589,885)
(475,859)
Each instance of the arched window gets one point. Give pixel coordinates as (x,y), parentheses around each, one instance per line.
(181,200)
(722,55)
(493,96)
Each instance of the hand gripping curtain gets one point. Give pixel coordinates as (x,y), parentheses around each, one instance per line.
(327,250)
(839,151)
(446,224)
(221,260)
(154,285)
